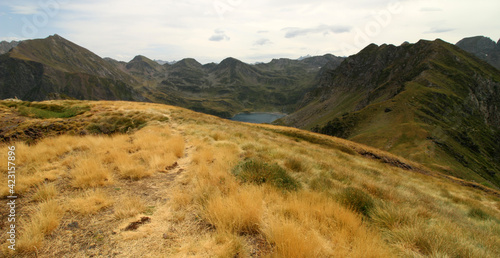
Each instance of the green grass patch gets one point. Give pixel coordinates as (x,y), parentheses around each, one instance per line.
(477,213)
(45,110)
(258,172)
(357,200)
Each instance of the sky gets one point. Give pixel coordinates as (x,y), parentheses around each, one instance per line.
(249,30)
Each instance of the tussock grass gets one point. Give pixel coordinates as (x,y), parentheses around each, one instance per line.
(258,172)
(89,202)
(356,200)
(43,221)
(295,164)
(238,212)
(129,206)
(89,172)
(45,192)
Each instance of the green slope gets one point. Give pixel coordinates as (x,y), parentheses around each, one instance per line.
(430,102)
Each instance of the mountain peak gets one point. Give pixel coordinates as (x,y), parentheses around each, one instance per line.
(483,47)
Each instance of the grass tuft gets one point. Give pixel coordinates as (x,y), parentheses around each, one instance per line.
(45,219)
(357,200)
(258,172)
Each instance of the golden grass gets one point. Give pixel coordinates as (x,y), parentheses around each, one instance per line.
(44,219)
(291,239)
(45,192)
(238,212)
(89,172)
(89,202)
(128,206)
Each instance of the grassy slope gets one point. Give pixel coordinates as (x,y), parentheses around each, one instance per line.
(431,121)
(166,189)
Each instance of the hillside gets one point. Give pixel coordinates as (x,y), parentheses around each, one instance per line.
(133,179)
(430,102)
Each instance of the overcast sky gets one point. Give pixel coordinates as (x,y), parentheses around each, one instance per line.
(249,30)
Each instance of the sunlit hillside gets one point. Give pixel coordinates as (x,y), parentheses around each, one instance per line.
(130,179)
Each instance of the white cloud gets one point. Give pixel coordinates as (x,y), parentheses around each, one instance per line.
(172,30)
(25,9)
(261,42)
(219,36)
(323,29)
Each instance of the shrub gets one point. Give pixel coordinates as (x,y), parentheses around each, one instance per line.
(258,172)
(357,200)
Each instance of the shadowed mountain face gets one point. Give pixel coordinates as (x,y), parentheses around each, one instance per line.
(430,101)
(57,68)
(482,47)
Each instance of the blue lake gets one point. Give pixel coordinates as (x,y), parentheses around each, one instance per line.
(257,117)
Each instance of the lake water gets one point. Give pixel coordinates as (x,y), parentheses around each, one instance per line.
(257,117)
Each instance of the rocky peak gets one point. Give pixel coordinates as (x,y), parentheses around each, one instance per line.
(482,47)
(6,46)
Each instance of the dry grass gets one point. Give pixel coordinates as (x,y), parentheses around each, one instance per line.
(44,219)
(348,206)
(45,192)
(89,202)
(238,212)
(129,206)
(89,172)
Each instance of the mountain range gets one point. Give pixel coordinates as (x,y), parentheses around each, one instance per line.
(431,102)
(54,68)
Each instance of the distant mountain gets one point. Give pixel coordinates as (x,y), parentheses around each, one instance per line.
(144,66)
(482,47)
(57,68)
(164,62)
(6,46)
(233,86)
(430,101)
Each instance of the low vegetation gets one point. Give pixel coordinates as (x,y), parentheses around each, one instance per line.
(196,185)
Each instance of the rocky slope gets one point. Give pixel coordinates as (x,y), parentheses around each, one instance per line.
(430,101)
(482,47)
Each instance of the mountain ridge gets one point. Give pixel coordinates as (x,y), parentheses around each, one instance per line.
(430,101)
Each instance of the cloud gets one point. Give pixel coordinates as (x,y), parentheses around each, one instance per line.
(261,42)
(431,9)
(324,29)
(24,9)
(438,30)
(262,31)
(219,36)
